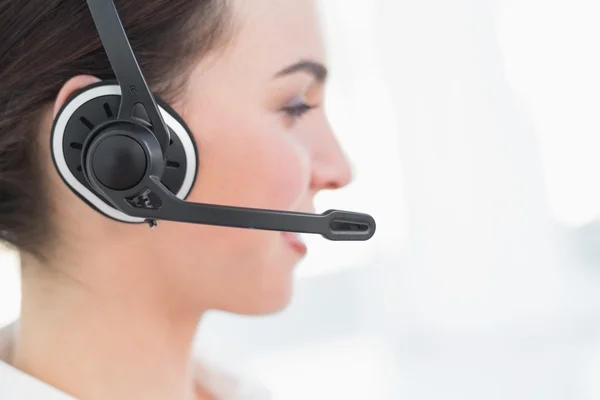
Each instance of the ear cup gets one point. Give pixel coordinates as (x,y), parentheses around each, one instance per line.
(96,104)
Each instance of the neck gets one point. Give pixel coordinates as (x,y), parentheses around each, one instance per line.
(106,341)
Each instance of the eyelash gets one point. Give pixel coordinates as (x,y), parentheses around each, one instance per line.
(298,111)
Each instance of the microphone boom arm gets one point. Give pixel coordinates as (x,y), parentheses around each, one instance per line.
(158,203)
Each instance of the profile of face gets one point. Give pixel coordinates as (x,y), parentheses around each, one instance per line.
(256,112)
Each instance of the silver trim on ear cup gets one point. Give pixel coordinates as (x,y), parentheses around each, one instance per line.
(59,157)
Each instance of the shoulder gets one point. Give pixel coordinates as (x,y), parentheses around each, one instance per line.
(15,384)
(6,341)
(224,383)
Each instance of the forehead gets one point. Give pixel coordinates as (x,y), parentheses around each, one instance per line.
(279,32)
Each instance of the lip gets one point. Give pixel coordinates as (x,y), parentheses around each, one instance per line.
(295,242)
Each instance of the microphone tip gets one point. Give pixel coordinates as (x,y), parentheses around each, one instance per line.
(347,225)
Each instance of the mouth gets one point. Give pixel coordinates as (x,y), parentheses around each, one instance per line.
(294,240)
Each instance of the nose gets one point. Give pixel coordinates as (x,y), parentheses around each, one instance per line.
(330,166)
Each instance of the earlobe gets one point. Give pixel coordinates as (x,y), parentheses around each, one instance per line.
(69,88)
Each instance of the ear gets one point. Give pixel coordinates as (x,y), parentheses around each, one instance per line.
(71,86)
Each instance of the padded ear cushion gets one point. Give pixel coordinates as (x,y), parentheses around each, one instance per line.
(96,103)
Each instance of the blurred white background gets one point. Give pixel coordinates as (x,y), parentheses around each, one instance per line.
(474,127)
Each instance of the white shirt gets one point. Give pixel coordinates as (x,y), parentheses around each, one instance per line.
(16,385)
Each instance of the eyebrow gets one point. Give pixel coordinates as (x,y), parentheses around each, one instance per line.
(316,69)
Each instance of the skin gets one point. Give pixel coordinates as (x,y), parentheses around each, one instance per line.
(115,313)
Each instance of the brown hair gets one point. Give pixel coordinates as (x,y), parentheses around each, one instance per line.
(43,43)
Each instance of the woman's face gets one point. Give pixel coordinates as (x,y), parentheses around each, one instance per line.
(256,112)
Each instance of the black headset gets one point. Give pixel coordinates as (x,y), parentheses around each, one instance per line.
(131,157)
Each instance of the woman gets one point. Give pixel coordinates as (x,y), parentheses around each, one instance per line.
(110,310)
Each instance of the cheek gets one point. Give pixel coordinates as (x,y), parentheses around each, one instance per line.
(247,164)
(252,167)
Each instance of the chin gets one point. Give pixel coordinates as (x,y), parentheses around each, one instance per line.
(269,305)
(265,301)
(260,308)
(264,310)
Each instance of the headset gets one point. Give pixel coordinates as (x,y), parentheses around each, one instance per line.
(131,157)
